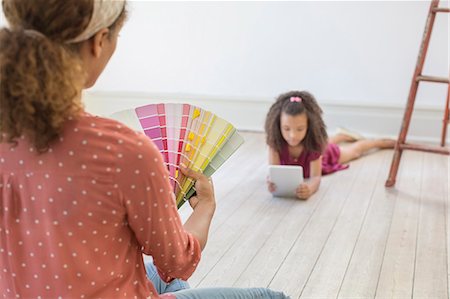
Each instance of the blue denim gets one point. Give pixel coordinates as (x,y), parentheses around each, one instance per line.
(160,285)
(230,293)
(181,289)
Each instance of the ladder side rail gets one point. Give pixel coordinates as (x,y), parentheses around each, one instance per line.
(446,120)
(418,71)
(412,94)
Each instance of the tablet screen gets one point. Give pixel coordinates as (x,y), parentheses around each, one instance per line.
(286,179)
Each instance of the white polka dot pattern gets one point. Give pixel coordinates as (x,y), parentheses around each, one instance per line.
(79,217)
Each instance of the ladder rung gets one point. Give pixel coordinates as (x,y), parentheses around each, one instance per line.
(432,79)
(441,9)
(426,148)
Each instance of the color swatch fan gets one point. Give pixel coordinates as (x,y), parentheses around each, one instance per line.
(184,134)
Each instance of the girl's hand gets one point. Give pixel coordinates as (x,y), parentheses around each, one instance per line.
(270,186)
(203,186)
(304,191)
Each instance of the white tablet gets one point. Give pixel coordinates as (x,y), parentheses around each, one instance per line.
(286,179)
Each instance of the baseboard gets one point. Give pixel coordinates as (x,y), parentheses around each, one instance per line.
(370,119)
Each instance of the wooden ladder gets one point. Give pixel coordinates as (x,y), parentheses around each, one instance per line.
(416,79)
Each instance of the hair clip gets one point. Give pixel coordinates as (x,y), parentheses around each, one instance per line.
(33,33)
(296,99)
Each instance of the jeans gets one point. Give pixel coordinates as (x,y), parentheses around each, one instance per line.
(230,293)
(160,285)
(180,289)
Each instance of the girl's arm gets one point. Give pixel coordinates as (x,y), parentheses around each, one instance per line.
(274,159)
(309,187)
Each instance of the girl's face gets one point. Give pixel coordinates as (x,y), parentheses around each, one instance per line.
(293,128)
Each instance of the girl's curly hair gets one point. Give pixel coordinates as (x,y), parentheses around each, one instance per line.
(316,136)
(41,76)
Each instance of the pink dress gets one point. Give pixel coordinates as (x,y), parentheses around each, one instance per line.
(330,160)
(76,220)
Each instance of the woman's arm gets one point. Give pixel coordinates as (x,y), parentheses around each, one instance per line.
(150,209)
(309,187)
(203,205)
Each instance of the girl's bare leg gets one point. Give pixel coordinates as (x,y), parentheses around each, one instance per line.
(339,138)
(358,148)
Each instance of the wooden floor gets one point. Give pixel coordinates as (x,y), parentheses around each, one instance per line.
(353,239)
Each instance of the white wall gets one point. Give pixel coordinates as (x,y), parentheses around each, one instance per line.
(355,56)
(339,50)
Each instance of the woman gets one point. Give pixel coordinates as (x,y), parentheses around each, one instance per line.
(83,197)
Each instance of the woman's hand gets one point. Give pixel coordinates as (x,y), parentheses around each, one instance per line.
(203,186)
(304,191)
(270,185)
(203,205)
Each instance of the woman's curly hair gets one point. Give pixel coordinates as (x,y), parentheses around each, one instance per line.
(41,76)
(316,136)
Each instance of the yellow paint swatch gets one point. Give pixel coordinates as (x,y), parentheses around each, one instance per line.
(196,113)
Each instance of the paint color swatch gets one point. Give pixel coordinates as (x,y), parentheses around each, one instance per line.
(184,134)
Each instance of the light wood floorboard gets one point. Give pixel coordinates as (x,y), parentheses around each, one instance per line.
(327,276)
(430,277)
(361,277)
(353,239)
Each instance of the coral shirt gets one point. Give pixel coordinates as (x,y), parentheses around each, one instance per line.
(76,220)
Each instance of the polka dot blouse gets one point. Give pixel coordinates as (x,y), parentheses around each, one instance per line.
(76,220)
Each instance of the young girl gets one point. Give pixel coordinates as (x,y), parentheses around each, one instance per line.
(296,135)
(83,197)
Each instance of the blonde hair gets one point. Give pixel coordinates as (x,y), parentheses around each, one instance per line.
(41,76)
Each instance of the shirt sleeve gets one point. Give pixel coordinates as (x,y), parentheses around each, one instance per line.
(313,156)
(152,213)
